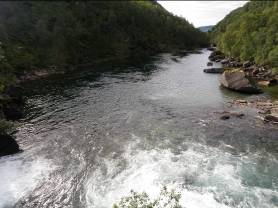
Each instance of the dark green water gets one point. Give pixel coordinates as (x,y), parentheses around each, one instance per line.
(91,137)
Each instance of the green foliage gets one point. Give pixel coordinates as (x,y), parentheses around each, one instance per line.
(42,34)
(166,199)
(250,33)
(5,127)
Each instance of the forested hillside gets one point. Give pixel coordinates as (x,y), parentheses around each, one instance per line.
(250,33)
(41,34)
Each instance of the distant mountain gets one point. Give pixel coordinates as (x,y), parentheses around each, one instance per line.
(206,28)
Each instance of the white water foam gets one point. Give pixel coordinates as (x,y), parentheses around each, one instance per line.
(19,177)
(205,176)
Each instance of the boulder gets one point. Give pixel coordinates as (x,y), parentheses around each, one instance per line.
(237,81)
(225,61)
(247,64)
(273,117)
(209,64)
(225,117)
(8,145)
(214,70)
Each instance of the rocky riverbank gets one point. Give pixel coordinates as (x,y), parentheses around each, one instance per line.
(262,74)
(267,110)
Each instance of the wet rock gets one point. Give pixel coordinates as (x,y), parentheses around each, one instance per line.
(225,117)
(273,117)
(237,81)
(8,145)
(214,70)
(209,64)
(174,59)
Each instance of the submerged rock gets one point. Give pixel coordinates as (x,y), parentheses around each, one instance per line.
(226,115)
(8,145)
(214,70)
(237,81)
(209,64)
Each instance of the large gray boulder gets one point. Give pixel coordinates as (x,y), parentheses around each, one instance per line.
(236,80)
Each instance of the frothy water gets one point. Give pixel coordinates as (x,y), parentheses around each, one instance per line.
(90,138)
(19,177)
(205,177)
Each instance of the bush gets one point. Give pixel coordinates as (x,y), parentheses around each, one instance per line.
(5,127)
(166,199)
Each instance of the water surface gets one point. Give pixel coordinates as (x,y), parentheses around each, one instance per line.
(90,137)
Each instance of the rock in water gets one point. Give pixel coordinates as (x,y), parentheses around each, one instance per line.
(273,117)
(237,81)
(209,64)
(214,70)
(8,145)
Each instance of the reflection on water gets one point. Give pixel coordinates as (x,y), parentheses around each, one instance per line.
(92,136)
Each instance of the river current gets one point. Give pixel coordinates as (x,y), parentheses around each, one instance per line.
(89,137)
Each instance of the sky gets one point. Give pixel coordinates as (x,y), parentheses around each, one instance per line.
(201,13)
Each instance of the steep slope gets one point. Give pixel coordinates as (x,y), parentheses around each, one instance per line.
(40,34)
(250,33)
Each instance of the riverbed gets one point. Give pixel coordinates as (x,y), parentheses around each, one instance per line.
(89,137)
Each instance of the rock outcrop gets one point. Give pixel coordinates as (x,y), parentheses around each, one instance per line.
(257,72)
(8,145)
(236,80)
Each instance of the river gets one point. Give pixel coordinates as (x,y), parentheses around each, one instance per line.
(90,137)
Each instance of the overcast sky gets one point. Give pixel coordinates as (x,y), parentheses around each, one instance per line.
(201,13)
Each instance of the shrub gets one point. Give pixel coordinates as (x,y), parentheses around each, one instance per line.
(166,199)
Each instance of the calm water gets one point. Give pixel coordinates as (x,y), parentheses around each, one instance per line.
(91,137)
